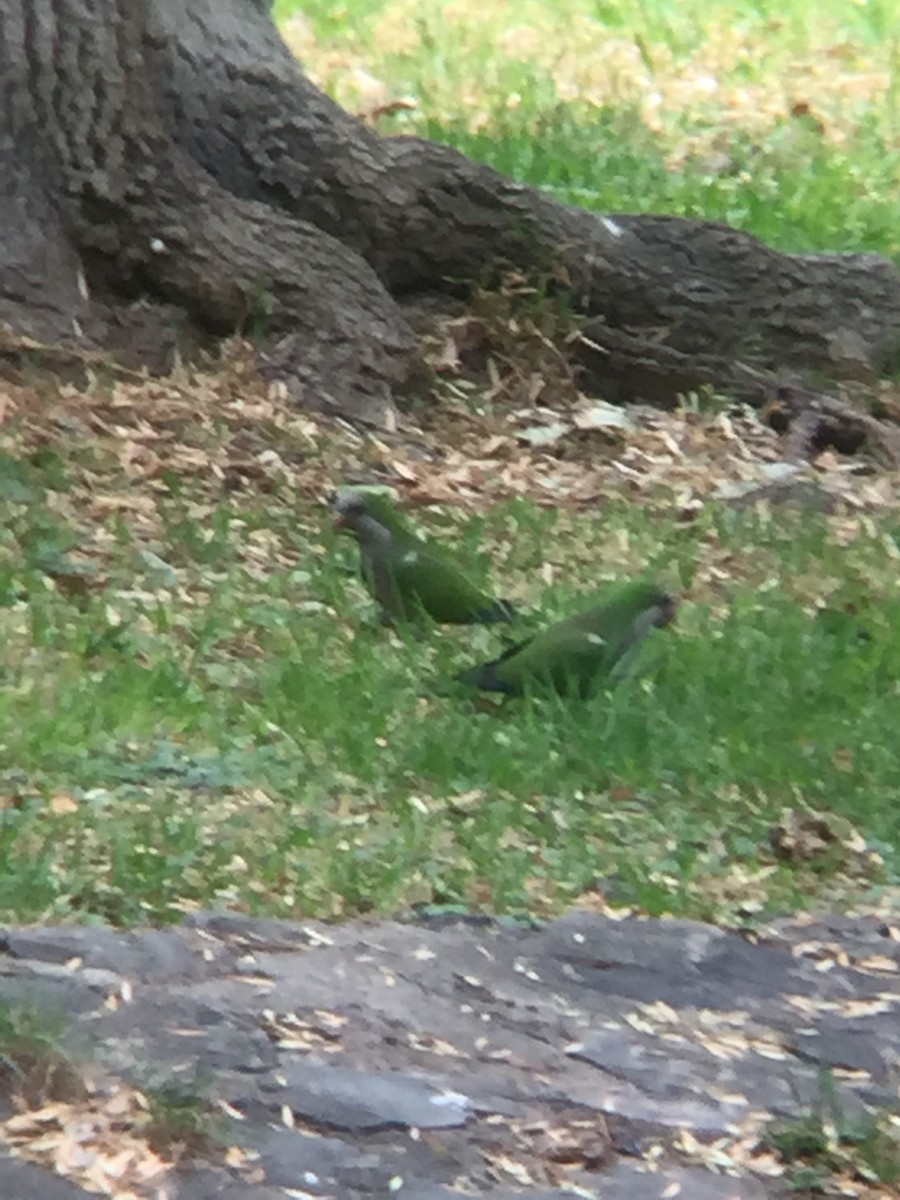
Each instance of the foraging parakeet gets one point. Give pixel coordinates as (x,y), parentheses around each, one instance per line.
(406,575)
(581,653)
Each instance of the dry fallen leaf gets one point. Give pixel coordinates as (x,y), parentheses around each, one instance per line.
(598,414)
(63,803)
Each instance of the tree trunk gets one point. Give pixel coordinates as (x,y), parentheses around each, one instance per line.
(172,151)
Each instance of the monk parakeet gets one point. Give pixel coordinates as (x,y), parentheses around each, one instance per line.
(583,652)
(406,575)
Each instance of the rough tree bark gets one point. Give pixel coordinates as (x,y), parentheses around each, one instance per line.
(172,151)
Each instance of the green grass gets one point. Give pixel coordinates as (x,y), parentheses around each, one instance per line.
(829,1143)
(198,706)
(212,729)
(35,1069)
(779,119)
(181,1120)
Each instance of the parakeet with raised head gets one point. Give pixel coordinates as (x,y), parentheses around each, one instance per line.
(576,656)
(406,575)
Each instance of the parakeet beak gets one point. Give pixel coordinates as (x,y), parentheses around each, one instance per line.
(666,612)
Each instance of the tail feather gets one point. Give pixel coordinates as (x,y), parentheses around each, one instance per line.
(484,677)
(490,614)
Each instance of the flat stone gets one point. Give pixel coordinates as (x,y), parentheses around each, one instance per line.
(681,1082)
(213,1183)
(259,933)
(164,1032)
(871,1047)
(682,963)
(287,1155)
(20,1180)
(63,994)
(476,1057)
(151,953)
(345,1098)
(628,1181)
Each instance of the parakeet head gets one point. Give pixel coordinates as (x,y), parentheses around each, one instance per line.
(666,607)
(368,514)
(349,508)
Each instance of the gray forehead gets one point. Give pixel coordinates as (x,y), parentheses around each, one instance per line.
(348,499)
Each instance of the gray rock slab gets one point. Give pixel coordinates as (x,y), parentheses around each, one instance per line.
(209,1183)
(27,1181)
(456,1057)
(151,953)
(289,1155)
(630,1182)
(349,1098)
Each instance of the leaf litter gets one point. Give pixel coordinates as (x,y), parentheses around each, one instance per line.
(511,423)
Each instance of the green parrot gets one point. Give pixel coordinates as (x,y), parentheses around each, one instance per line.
(579,654)
(405,574)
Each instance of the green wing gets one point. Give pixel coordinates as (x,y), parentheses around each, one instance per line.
(565,658)
(405,575)
(421,580)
